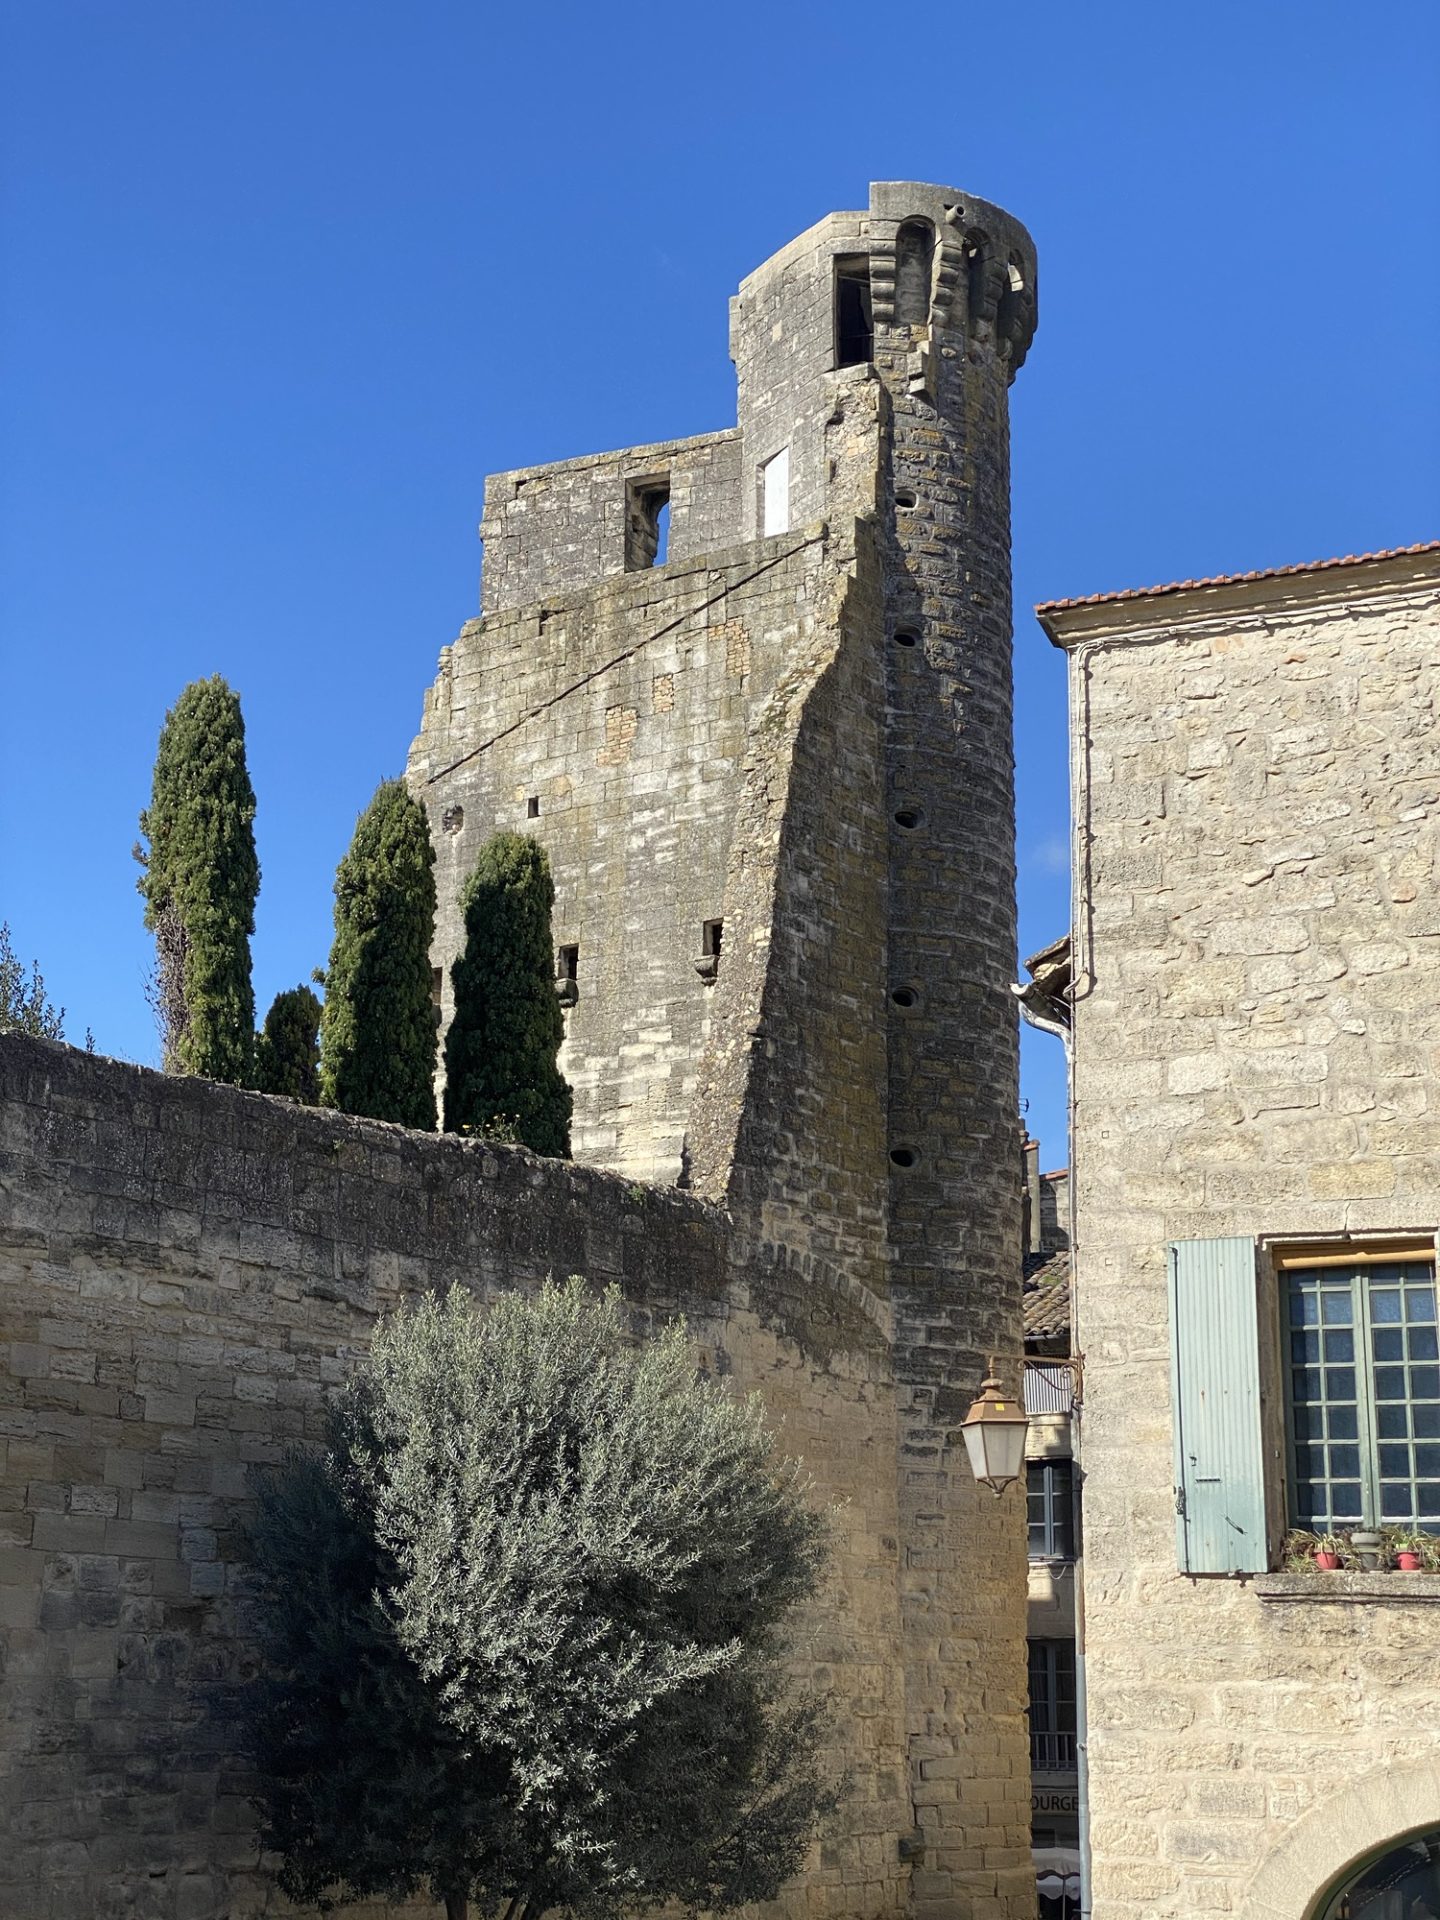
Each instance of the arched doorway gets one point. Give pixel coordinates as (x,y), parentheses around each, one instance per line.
(1324,1856)
(1401,1883)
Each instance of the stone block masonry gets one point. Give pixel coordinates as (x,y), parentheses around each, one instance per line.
(1256,1054)
(185,1270)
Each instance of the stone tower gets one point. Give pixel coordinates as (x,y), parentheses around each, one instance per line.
(774,776)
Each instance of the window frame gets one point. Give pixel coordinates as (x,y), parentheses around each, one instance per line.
(1049,1468)
(1354,1261)
(1054,1654)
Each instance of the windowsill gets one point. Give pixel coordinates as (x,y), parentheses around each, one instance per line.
(1353,1589)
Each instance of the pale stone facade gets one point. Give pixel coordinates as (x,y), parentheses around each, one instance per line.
(1256,1053)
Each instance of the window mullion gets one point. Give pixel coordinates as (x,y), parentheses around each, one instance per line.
(1365,1403)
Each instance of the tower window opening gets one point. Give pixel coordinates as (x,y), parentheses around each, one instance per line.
(647,522)
(905,498)
(1007,318)
(854,325)
(975,279)
(905,997)
(914,257)
(906,638)
(908,817)
(904,1158)
(567,963)
(775,494)
(452,819)
(532,807)
(712,935)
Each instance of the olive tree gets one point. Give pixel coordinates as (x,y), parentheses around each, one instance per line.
(524,1625)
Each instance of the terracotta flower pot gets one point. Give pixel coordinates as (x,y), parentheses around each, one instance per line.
(1407,1562)
(1327,1562)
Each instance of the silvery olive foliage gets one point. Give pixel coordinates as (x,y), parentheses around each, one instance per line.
(524,1626)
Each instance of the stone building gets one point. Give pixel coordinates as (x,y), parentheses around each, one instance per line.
(1256,1152)
(751,691)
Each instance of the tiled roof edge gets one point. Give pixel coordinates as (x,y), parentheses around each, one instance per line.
(1235,579)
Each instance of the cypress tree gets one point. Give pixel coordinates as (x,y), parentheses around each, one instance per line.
(377,1032)
(201,878)
(500,1053)
(287,1049)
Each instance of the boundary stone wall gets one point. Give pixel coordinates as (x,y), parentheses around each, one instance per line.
(185,1270)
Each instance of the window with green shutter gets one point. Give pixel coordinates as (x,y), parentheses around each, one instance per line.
(1215,1407)
(1363,1380)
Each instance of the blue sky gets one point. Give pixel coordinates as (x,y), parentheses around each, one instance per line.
(284,279)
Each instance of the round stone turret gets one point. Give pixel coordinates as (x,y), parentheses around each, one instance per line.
(931,293)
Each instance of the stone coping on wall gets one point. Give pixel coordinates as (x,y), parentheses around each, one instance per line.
(1362,1589)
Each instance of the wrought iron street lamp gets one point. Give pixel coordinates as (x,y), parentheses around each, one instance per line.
(994,1431)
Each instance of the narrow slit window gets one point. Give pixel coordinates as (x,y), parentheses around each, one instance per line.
(775,493)
(532,807)
(647,522)
(712,935)
(854,325)
(567,965)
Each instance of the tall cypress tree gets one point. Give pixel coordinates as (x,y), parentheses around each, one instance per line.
(377,1033)
(287,1049)
(500,1053)
(200,881)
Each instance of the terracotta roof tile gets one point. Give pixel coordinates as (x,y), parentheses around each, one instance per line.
(1046,1304)
(1232,579)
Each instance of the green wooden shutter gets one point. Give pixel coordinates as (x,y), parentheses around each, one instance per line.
(1215,1398)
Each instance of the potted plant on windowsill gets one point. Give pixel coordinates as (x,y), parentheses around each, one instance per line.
(1414,1550)
(1329,1552)
(1411,1547)
(1299,1550)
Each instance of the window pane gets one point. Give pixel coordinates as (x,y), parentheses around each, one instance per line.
(1331,1485)
(1309,1424)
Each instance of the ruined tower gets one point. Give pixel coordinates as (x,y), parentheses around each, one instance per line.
(767,747)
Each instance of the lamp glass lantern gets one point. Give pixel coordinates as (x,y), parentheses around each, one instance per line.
(994,1431)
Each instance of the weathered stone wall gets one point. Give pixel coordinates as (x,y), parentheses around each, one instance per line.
(553,530)
(623,714)
(184,1271)
(1257,1052)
